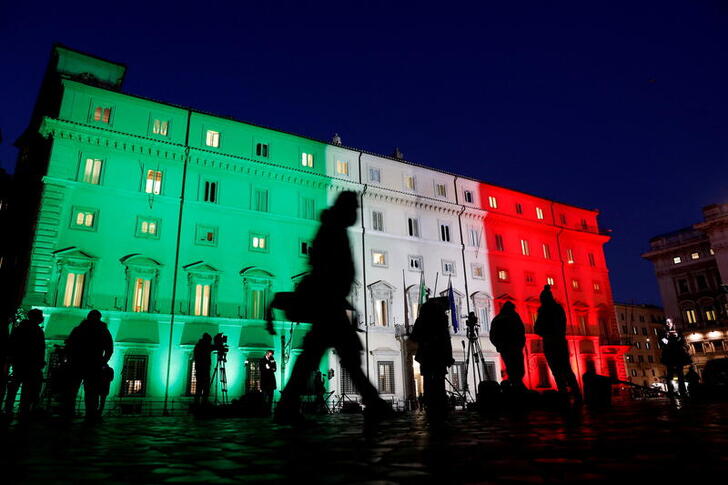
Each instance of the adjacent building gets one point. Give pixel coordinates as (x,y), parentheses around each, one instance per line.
(691,265)
(641,327)
(174,222)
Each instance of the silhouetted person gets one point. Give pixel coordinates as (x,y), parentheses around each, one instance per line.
(202,356)
(26,355)
(268,367)
(431,333)
(508,335)
(321,298)
(675,356)
(89,349)
(551,326)
(107,375)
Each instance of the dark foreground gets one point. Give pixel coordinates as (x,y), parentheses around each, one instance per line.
(631,442)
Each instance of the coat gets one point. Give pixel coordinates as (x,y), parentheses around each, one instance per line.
(90,345)
(267,369)
(432,334)
(507,330)
(26,347)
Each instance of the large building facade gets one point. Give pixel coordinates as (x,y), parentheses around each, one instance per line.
(175,222)
(691,265)
(641,327)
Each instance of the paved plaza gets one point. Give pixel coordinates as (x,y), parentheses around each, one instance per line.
(632,441)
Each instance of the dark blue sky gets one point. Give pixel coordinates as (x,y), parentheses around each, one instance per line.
(620,106)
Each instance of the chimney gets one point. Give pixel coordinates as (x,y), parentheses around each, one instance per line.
(336,140)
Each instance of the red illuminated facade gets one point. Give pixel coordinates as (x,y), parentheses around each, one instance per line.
(534,241)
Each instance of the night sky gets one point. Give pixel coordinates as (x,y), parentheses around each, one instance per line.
(620,106)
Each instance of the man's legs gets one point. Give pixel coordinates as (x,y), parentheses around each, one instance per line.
(513,359)
(12,392)
(91,395)
(314,347)
(30,394)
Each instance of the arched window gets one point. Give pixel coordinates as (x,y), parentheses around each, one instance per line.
(257,290)
(74,268)
(141,282)
(483,308)
(381,296)
(202,280)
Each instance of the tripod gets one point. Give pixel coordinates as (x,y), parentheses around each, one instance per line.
(221,373)
(474,354)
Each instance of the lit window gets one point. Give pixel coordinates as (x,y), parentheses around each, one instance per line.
(468,197)
(592,261)
(261,150)
(154,182)
(375,175)
(210,192)
(530,278)
(142,289)
(73,294)
(503,275)
(410,183)
(134,375)
(691,316)
(492,202)
(259,242)
(546,251)
(212,138)
(92,171)
(415,263)
(202,300)
(575,284)
(695,256)
(379,258)
(381,312)
(597,287)
(448,268)
(147,227)
(385,377)
(474,237)
(377,221)
(519,208)
(710,314)
(524,248)
(478,271)
(570,256)
(308,208)
(550,281)
(413,227)
(307,159)
(102,114)
(84,219)
(499,242)
(342,167)
(260,200)
(676,260)
(444,233)
(440,190)
(712,253)
(160,127)
(539,213)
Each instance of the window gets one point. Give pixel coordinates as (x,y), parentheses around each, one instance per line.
(597,287)
(202,299)
(308,208)
(583,323)
(377,221)
(499,242)
(592,261)
(304,248)
(415,263)
(546,251)
(212,138)
(457,377)
(503,275)
(385,377)
(256,303)
(410,183)
(448,268)
(551,281)
(205,235)
(575,284)
(651,360)
(562,218)
(492,202)
(261,150)
(307,159)
(259,242)
(630,358)
(698,347)
(160,127)
(260,200)
(634,372)
(375,175)
(584,225)
(154,182)
(519,208)
(624,329)
(413,227)
(478,271)
(539,213)
(381,312)
(691,316)
(134,376)
(84,219)
(102,114)
(638,345)
(140,298)
(346,382)
(468,196)
(570,256)
(191,378)
(530,278)
(210,191)
(147,227)
(682,286)
(379,258)
(695,256)
(524,248)
(73,295)
(701,282)
(444,232)
(474,237)
(92,171)
(440,190)
(710,314)
(676,260)
(635,331)
(342,167)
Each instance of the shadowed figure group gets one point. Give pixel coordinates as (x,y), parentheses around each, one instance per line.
(321,299)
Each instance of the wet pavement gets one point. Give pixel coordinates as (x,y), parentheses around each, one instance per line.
(633,441)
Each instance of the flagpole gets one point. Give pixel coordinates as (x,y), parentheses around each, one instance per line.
(406,307)
(434,292)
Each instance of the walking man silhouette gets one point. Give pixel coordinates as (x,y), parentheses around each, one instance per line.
(26,354)
(321,299)
(267,366)
(508,335)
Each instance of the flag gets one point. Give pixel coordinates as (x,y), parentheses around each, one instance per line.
(406,307)
(423,290)
(453,307)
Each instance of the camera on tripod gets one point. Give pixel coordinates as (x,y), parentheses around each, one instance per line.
(471,323)
(219,345)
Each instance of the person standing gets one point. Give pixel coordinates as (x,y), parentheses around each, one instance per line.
(508,335)
(675,356)
(551,326)
(431,333)
(90,347)
(202,356)
(267,366)
(26,355)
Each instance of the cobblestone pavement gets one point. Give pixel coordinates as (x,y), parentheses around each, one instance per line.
(630,442)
